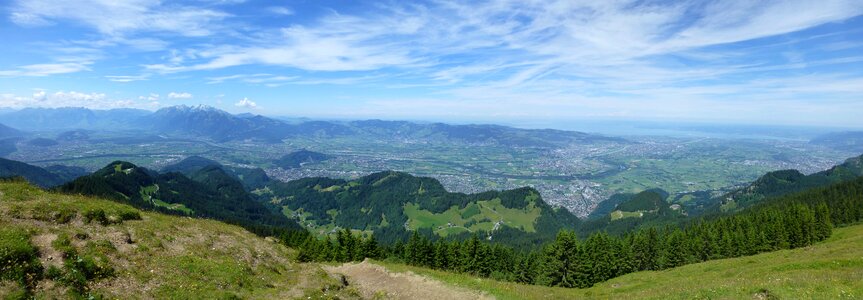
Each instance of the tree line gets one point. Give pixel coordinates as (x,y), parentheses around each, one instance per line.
(788,222)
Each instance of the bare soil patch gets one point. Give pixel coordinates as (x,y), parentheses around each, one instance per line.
(374,281)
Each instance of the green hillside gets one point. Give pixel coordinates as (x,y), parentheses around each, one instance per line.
(33,174)
(296,159)
(391,204)
(784,182)
(209,192)
(63,246)
(251,178)
(628,212)
(827,270)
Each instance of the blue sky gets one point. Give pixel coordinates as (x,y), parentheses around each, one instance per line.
(754,62)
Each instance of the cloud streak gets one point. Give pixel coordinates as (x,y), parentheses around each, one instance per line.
(119,17)
(616,58)
(46,69)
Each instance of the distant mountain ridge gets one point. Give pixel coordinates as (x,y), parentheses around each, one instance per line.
(219,125)
(6,131)
(71,118)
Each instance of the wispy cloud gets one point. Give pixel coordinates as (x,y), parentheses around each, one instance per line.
(127,78)
(522,39)
(46,69)
(119,17)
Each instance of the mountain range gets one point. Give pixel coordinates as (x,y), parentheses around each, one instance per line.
(220,126)
(6,131)
(46,119)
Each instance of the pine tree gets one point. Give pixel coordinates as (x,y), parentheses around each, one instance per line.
(370,248)
(823,225)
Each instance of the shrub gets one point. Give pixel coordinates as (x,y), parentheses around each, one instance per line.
(105,219)
(52,213)
(97,215)
(126,215)
(19,259)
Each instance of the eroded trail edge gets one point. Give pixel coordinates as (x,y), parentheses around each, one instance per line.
(374,281)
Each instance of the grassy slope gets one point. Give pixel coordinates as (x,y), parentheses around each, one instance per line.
(829,270)
(484,213)
(168,256)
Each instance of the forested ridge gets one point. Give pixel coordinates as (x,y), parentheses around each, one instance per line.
(209,192)
(376,203)
(786,222)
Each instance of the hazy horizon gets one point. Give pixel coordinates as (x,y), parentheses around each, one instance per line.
(794,63)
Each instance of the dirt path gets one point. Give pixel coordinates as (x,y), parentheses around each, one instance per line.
(374,281)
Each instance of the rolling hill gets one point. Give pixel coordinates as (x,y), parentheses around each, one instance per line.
(55,246)
(251,178)
(208,193)
(784,182)
(298,158)
(33,174)
(389,204)
(626,212)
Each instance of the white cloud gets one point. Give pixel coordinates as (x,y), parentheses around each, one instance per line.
(246,103)
(152,97)
(46,69)
(40,96)
(71,99)
(183,95)
(280,10)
